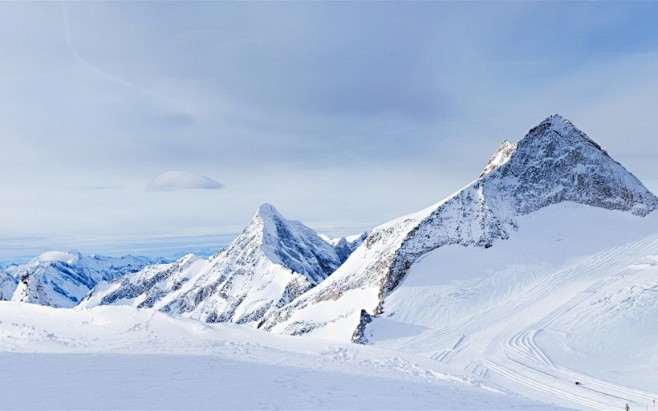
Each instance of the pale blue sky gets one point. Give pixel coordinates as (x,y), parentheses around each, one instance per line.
(342,114)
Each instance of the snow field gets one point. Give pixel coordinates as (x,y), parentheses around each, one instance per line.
(123,358)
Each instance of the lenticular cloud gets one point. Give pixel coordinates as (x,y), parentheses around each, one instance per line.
(182,180)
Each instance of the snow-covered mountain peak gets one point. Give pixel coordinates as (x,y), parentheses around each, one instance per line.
(268,211)
(554,132)
(557,162)
(557,127)
(70,257)
(267,226)
(272,262)
(500,157)
(554,163)
(345,246)
(558,121)
(288,243)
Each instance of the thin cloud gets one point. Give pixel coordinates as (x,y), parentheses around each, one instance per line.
(182,180)
(98,187)
(102,72)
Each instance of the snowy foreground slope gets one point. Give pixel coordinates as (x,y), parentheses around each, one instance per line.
(123,358)
(572,296)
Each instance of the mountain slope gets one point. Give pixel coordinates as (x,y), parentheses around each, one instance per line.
(273,261)
(345,246)
(62,279)
(554,163)
(7,285)
(571,296)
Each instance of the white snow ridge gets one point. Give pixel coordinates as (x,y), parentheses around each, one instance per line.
(534,287)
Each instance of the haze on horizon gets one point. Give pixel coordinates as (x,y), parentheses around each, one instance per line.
(158,128)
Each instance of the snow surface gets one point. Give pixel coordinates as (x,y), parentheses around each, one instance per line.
(123,358)
(572,296)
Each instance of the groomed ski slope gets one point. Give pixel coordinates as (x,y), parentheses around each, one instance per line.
(543,310)
(119,357)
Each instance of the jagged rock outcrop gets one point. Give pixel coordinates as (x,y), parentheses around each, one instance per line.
(553,163)
(272,262)
(359,335)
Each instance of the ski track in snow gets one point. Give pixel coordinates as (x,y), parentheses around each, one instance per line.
(526,363)
(125,358)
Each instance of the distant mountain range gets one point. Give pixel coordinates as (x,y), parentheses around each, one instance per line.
(63,279)
(271,263)
(281,276)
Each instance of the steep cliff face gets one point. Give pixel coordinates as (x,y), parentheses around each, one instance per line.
(272,262)
(555,162)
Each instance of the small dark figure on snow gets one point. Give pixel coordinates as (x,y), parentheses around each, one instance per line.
(627,408)
(578,383)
